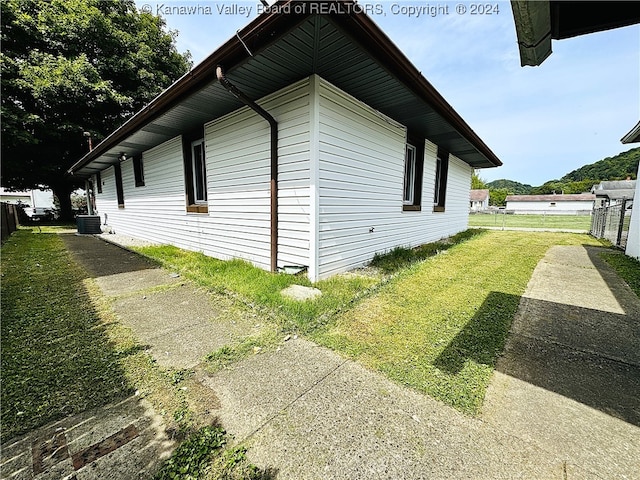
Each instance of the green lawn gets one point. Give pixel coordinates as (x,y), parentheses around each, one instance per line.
(56,357)
(569,222)
(439,326)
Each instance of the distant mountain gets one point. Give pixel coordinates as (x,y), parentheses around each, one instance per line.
(511,185)
(621,166)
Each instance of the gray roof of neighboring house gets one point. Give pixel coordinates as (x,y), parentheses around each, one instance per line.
(574,197)
(478,195)
(345,47)
(616,189)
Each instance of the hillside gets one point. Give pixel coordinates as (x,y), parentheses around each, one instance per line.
(611,168)
(511,185)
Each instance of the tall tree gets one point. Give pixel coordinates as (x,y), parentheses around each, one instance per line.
(74,66)
(477,183)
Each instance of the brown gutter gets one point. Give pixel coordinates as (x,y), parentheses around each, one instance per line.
(224,81)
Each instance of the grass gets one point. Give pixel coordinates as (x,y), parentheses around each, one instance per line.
(628,268)
(64,351)
(439,326)
(57,358)
(568,222)
(400,257)
(261,289)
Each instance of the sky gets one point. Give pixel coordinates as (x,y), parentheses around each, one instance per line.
(542,122)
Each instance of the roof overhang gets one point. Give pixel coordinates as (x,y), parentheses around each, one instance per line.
(345,47)
(539,21)
(633,136)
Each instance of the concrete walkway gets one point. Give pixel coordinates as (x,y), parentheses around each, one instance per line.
(564,402)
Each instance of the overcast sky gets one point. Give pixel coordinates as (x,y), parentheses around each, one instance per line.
(542,122)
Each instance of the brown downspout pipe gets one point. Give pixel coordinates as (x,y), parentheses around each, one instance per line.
(274,158)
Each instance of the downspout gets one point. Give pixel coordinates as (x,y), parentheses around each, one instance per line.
(274,158)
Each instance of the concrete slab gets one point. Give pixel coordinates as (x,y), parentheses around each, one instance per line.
(181,325)
(255,390)
(324,417)
(130,282)
(301,293)
(102,259)
(569,379)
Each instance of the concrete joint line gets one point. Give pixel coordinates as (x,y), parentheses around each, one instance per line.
(286,407)
(582,351)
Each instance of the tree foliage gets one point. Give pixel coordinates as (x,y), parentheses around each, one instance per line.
(512,186)
(498,196)
(74,66)
(477,183)
(618,167)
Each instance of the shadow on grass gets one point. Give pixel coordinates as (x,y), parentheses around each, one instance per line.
(590,356)
(57,359)
(483,338)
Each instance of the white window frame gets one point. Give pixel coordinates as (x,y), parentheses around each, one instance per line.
(408,191)
(199,171)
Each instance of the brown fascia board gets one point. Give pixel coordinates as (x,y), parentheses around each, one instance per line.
(263,31)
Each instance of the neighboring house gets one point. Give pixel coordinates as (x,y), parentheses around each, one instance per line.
(578,203)
(478,200)
(347,150)
(36,202)
(613,192)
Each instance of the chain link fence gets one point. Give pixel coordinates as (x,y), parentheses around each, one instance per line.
(612,223)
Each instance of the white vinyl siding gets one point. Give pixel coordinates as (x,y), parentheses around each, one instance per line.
(238,168)
(237,150)
(341,174)
(361,179)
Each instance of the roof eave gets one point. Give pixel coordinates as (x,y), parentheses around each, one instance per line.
(260,33)
(633,136)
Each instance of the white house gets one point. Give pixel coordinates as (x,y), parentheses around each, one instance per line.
(478,200)
(614,192)
(306,140)
(37,201)
(565,204)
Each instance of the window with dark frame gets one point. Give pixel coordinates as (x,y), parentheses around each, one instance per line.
(442,171)
(199,170)
(138,171)
(99,182)
(119,190)
(413,168)
(195,172)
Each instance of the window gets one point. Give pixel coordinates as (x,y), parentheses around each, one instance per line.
(195,171)
(409,175)
(440,190)
(99,182)
(138,170)
(199,170)
(413,166)
(119,189)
